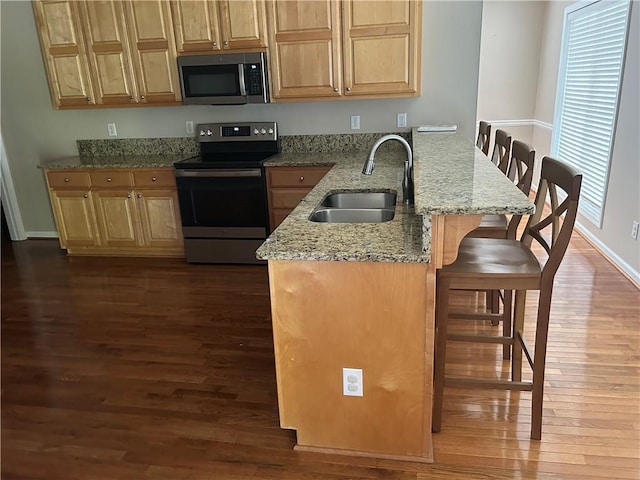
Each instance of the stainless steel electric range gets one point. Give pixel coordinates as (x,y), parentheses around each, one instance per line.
(222,192)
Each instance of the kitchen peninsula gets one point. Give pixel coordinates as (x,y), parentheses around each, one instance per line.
(362,296)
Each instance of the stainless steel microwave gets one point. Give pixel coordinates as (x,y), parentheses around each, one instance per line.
(224,79)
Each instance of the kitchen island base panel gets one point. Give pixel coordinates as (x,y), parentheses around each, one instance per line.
(377,316)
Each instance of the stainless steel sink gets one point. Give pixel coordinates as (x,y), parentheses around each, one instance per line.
(352,215)
(356,200)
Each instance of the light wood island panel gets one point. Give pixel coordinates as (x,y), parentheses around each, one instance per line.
(375,316)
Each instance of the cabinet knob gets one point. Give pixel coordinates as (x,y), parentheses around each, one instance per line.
(348,89)
(142,97)
(109,179)
(335,89)
(215,44)
(128,195)
(88,99)
(66,180)
(153,179)
(301,178)
(225,42)
(86,195)
(139,195)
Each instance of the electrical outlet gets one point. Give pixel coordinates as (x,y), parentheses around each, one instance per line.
(111,127)
(352,382)
(634,230)
(355,122)
(401,120)
(189,126)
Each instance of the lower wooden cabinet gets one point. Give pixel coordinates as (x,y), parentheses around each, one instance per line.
(117,212)
(286,186)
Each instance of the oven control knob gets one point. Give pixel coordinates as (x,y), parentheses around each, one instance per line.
(271,131)
(255,131)
(209,133)
(263,131)
(202,133)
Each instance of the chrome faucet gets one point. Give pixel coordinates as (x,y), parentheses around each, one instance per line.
(407,181)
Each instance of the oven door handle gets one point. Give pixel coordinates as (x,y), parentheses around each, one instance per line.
(241,172)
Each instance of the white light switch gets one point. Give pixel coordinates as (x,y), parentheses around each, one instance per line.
(111,128)
(355,122)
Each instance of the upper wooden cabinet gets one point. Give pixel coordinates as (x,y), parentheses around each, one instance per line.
(108,53)
(349,48)
(63,49)
(223,25)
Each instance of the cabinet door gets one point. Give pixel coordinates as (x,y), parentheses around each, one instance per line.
(153,51)
(243,24)
(160,217)
(75,218)
(117,218)
(196,26)
(108,52)
(305,49)
(382,47)
(63,49)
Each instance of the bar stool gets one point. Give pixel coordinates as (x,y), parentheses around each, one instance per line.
(484,137)
(510,264)
(501,150)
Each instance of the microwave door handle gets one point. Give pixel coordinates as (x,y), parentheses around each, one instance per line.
(243,88)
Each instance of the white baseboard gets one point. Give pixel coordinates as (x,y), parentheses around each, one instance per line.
(615,259)
(53,234)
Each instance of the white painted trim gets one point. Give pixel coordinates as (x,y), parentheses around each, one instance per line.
(544,125)
(524,122)
(611,256)
(42,234)
(9,199)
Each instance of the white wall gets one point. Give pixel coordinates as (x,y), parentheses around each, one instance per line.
(509,64)
(34,132)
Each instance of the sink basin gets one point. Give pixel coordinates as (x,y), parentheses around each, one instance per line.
(359,200)
(352,215)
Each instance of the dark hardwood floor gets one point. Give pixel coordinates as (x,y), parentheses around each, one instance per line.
(124,368)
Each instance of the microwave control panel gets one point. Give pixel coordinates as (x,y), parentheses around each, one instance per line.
(253,78)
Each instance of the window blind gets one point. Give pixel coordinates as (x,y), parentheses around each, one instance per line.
(591,61)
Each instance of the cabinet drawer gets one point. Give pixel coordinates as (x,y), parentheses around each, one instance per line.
(287,197)
(154,178)
(68,179)
(111,178)
(296,177)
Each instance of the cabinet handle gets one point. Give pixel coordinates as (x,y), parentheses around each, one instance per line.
(225,43)
(301,178)
(108,179)
(86,195)
(153,179)
(348,89)
(139,195)
(88,99)
(66,180)
(141,97)
(128,195)
(215,44)
(335,89)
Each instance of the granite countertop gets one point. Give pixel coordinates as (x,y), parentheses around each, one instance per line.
(451,176)
(298,238)
(115,161)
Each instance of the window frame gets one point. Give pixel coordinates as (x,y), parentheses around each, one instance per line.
(593,215)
